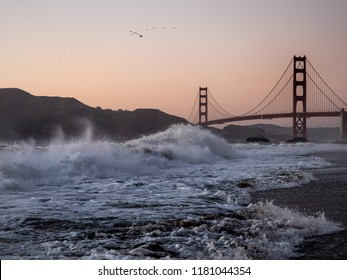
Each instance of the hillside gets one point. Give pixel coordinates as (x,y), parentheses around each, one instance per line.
(25,116)
(276,134)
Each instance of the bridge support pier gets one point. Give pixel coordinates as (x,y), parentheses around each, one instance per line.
(343,126)
(203,103)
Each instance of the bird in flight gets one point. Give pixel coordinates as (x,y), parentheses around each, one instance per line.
(135,33)
(147,29)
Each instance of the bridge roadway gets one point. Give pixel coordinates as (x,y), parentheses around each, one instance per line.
(272,116)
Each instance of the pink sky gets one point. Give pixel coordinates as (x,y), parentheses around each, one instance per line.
(83,49)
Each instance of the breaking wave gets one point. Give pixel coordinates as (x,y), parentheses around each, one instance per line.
(63,162)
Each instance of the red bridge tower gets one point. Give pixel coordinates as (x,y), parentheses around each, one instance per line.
(299,97)
(203,106)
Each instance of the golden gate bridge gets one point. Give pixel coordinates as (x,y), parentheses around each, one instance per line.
(300,93)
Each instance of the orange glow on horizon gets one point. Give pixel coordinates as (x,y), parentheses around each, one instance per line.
(236,49)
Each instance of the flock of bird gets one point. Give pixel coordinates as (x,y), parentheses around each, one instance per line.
(135,33)
(147,29)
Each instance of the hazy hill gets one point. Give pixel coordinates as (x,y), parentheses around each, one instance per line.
(317,134)
(276,134)
(25,116)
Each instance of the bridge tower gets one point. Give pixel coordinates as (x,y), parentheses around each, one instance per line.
(343,127)
(299,97)
(203,106)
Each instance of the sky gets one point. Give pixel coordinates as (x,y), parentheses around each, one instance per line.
(237,48)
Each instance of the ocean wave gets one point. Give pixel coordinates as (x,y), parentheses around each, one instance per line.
(65,162)
(185,143)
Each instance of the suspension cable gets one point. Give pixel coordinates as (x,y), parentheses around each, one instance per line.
(210,103)
(196,99)
(196,116)
(276,95)
(324,93)
(271,90)
(326,83)
(226,113)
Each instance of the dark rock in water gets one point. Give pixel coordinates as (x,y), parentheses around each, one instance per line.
(258,138)
(246,183)
(147,151)
(297,140)
(168,155)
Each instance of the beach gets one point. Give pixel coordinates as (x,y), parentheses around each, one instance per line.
(327,194)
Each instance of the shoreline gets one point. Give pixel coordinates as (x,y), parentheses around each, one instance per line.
(328,194)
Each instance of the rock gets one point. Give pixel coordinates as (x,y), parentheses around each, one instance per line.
(297,140)
(258,138)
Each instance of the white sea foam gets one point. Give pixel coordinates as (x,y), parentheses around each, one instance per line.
(185,143)
(181,193)
(62,162)
(279,230)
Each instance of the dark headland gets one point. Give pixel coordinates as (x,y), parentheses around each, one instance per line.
(24,116)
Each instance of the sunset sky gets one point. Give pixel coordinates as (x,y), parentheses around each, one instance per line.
(239,49)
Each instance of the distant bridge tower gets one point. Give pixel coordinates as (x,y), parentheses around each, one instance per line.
(203,106)
(299,97)
(343,126)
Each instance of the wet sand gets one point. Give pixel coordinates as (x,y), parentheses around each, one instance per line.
(329,195)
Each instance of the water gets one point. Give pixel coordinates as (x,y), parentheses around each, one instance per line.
(180,194)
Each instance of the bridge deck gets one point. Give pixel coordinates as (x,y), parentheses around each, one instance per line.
(273,116)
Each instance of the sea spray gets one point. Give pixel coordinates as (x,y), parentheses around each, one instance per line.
(185,143)
(64,162)
(183,193)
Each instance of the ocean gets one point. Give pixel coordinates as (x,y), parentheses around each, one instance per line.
(179,194)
